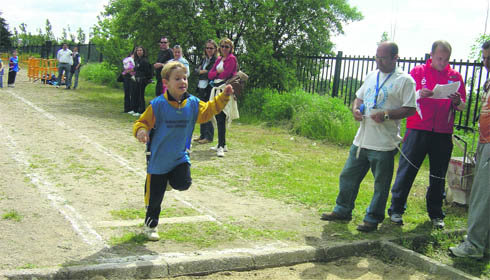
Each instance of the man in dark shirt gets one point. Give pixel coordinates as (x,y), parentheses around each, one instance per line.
(165,54)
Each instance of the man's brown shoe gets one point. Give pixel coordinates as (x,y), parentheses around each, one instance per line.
(197,139)
(334,216)
(204,141)
(367,227)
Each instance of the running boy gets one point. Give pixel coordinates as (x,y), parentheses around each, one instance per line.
(173,116)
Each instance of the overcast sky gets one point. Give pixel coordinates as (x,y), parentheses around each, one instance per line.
(414,23)
(61,13)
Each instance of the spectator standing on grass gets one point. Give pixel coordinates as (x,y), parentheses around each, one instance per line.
(1,73)
(225,67)
(75,67)
(179,56)
(13,69)
(164,55)
(204,88)
(477,242)
(429,132)
(143,75)
(129,82)
(65,61)
(386,97)
(173,116)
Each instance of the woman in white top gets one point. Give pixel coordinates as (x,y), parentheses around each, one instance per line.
(204,88)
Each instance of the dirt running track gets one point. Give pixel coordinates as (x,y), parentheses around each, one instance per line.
(66,165)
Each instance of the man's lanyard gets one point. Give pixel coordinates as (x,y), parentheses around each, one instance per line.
(378,88)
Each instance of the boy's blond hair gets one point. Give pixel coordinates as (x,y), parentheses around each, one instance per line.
(172,66)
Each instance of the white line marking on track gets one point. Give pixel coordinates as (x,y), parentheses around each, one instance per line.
(81,227)
(123,162)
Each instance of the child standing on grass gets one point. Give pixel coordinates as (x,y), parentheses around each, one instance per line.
(172,116)
(13,68)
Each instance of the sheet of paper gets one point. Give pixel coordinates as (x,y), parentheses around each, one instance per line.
(443,91)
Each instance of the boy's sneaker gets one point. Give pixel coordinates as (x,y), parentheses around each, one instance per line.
(466,249)
(220,152)
(396,218)
(151,233)
(438,223)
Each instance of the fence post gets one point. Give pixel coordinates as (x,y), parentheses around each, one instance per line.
(336,76)
(89,48)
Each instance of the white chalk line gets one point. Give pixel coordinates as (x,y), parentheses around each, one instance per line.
(123,162)
(80,226)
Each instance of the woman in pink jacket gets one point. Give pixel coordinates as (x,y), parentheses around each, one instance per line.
(225,67)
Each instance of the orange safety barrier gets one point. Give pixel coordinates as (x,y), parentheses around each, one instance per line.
(41,68)
(33,68)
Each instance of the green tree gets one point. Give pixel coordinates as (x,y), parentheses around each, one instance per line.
(64,36)
(23,34)
(265,32)
(384,37)
(49,31)
(5,35)
(475,53)
(81,36)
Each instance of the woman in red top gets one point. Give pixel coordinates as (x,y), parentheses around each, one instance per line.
(225,67)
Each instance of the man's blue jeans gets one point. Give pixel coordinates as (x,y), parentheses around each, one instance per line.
(381,164)
(66,68)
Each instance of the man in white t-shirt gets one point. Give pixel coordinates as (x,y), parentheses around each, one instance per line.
(386,97)
(65,61)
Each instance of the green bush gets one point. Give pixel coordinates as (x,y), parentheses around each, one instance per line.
(250,104)
(105,74)
(325,118)
(101,73)
(309,115)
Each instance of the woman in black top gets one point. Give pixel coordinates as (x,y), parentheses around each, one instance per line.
(143,76)
(204,88)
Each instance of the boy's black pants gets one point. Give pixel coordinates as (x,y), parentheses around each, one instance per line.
(155,186)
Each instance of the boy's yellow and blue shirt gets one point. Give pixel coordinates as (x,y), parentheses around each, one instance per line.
(173,123)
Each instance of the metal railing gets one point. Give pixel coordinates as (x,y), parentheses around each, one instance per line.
(341,76)
(88,52)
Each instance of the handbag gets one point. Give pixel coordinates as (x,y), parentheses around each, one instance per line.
(120,78)
(238,82)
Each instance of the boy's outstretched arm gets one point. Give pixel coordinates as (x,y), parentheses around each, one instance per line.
(208,109)
(145,122)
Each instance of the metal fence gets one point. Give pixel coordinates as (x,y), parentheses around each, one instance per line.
(88,52)
(341,76)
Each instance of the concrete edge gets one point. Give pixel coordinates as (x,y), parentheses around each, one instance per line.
(194,263)
(422,262)
(207,262)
